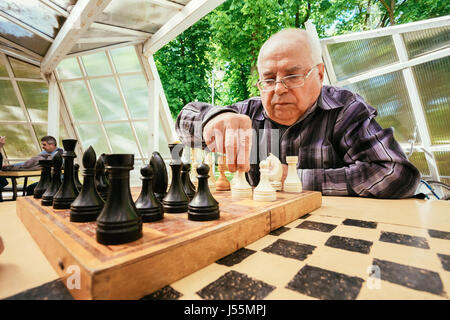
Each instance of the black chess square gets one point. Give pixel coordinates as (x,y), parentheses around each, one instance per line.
(234,285)
(324,284)
(279,231)
(290,249)
(445,261)
(360,223)
(236,257)
(53,290)
(166,293)
(439,234)
(350,244)
(411,277)
(407,240)
(317,226)
(305,216)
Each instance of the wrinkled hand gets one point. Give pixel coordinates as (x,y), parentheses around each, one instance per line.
(230,134)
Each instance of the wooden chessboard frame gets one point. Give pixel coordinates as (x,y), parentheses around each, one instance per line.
(169,250)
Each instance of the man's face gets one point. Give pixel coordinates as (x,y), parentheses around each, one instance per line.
(281,58)
(48,147)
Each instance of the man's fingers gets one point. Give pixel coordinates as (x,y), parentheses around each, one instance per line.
(243,156)
(231,142)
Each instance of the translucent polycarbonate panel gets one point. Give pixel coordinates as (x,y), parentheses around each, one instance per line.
(425,41)
(92,135)
(79,101)
(35,14)
(35,96)
(40,130)
(80,47)
(163,143)
(96,64)
(137,14)
(65,4)
(23,37)
(3,71)
(9,105)
(126,60)
(69,69)
(108,100)
(388,94)
(136,95)
(142,134)
(25,70)
(443,162)
(121,138)
(420,162)
(19,143)
(62,132)
(355,57)
(433,83)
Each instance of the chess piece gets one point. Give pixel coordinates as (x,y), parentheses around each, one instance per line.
(203,207)
(67,192)
(101,181)
(264,190)
(176,200)
(47,197)
(241,188)
(149,208)
(222,183)
(45,180)
(119,221)
(160,177)
(275,171)
(87,206)
(76,177)
(292,182)
(212,180)
(194,167)
(186,181)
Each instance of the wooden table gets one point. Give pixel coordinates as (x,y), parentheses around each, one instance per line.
(323,255)
(13,175)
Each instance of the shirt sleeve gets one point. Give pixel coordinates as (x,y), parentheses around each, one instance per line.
(375,165)
(193,117)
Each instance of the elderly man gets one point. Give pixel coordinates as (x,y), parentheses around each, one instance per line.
(342,150)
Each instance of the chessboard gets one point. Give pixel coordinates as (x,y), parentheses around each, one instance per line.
(169,250)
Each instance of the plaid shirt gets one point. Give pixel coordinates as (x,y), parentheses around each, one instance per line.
(342,150)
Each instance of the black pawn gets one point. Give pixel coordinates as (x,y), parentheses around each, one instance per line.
(203,206)
(176,200)
(68,191)
(147,205)
(87,206)
(119,221)
(160,177)
(101,181)
(46,178)
(76,178)
(47,197)
(186,180)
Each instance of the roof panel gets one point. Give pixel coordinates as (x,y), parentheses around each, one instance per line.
(34,14)
(65,4)
(22,37)
(140,15)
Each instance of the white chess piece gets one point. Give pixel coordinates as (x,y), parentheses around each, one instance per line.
(240,188)
(292,182)
(275,171)
(211,179)
(264,191)
(195,164)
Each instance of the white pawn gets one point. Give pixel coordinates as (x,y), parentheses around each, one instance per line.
(292,182)
(211,179)
(240,187)
(264,191)
(275,171)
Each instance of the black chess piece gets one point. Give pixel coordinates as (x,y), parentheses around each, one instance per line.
(47,197)
(176,200)
(88,205)
(76,177)
(45,180)
(119,221)
(147,205)
(68,190)
(160,177)
(203,207)
(101,181)
(186,180)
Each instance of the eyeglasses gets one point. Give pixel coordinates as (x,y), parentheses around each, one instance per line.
(289,82)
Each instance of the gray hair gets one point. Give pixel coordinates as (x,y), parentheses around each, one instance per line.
(296,34)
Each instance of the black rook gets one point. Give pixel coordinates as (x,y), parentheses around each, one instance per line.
(68,190)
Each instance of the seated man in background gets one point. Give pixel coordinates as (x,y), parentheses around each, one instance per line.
(341,148)
(49,150)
